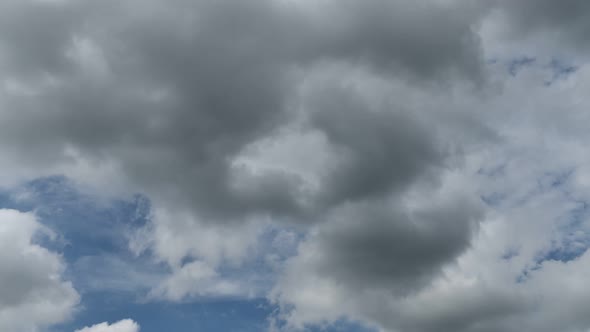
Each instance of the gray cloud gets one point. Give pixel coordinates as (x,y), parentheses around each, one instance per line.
(384,245)
(379,150)
(544,29)
(171,93)
(467,284)
(569,17)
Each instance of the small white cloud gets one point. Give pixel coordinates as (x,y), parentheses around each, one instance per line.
(125,325)
(196,279)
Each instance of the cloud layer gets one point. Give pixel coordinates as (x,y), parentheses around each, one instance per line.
(414,166)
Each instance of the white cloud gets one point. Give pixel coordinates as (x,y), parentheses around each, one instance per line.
(125,325)
(33,293)
(196,280)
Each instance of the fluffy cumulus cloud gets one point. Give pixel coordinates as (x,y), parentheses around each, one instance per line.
(410,165)
(125,325)
(33,293)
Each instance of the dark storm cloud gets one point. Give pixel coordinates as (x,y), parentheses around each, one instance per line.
(381,147)
(224,70)
(34,35)
(474,311)
(389,36)
(386,246)
(566,23)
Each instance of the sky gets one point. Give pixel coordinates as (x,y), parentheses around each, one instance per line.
(294,165)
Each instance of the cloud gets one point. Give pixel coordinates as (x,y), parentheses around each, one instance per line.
(430,195)
(532,177)
(33,286)
(567,19)
(382,250)
(181,85)
(192,126)
(196,280)
(537,28)
(125,325)
(163,98)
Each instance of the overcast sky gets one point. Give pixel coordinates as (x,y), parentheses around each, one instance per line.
(294,165)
